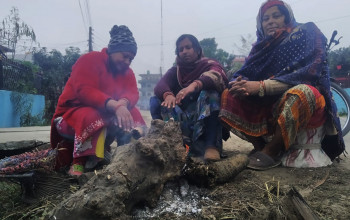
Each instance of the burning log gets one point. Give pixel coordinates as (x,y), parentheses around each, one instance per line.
(138,173)
(210,174)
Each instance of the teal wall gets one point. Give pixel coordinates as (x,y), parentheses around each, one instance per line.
(8,116)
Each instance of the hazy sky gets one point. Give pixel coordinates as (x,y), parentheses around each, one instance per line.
(59,24)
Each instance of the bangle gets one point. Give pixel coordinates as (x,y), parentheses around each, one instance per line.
(261,89)
(106,102)
(263,84)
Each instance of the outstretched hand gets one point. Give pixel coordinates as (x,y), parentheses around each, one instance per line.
(169,101)
(184,92)
(124,118)
(120,110)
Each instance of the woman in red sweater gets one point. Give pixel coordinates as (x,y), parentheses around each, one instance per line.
(97,104)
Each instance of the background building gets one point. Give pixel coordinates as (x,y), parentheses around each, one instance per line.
(148,82)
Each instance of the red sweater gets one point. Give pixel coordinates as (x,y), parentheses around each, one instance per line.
(91,84)
(82,102)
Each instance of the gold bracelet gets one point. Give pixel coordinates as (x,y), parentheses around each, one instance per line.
(261,89)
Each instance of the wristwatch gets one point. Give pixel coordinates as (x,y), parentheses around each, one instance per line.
(261,89)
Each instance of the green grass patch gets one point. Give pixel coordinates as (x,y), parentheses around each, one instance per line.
(10,198)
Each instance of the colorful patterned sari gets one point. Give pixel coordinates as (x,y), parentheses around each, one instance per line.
(300,107)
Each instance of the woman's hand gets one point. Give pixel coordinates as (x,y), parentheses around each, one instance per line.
(184,92)
(120,110)
(243,88)
(124,118)
(169,101)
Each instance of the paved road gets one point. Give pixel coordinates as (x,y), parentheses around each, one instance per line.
(25,133)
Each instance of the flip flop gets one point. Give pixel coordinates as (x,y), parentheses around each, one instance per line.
(76,170)
(261,161)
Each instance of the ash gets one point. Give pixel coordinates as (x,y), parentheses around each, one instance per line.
(178,198)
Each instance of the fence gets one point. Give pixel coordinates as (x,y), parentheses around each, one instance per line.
(15,76)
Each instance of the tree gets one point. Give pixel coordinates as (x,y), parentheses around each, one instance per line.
(209,47)
(244,50)
(339,62)
(55,69)
(17,35)
(210,50)
(246,45)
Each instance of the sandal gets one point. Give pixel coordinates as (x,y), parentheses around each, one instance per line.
(262,161)
(76,170)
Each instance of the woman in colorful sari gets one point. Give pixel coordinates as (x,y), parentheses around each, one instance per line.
(97,105)
(190,93)
(280,99)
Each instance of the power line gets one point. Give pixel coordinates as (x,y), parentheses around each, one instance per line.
(161,38)
(99,36)
(225,26)
(90,26)
(99,45)
(64,44)
(88,18)
(82,15)
(88,12)
(332,19)
(99,41)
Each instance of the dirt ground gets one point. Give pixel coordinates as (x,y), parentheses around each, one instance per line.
(325,190)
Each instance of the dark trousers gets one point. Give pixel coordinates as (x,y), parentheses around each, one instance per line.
(211,125)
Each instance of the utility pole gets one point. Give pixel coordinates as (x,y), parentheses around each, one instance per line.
(90,39)
(161,38)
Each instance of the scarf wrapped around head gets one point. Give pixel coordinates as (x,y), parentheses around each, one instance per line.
(268,4)
(295,54)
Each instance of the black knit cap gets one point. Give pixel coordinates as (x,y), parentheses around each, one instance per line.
(121,40)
